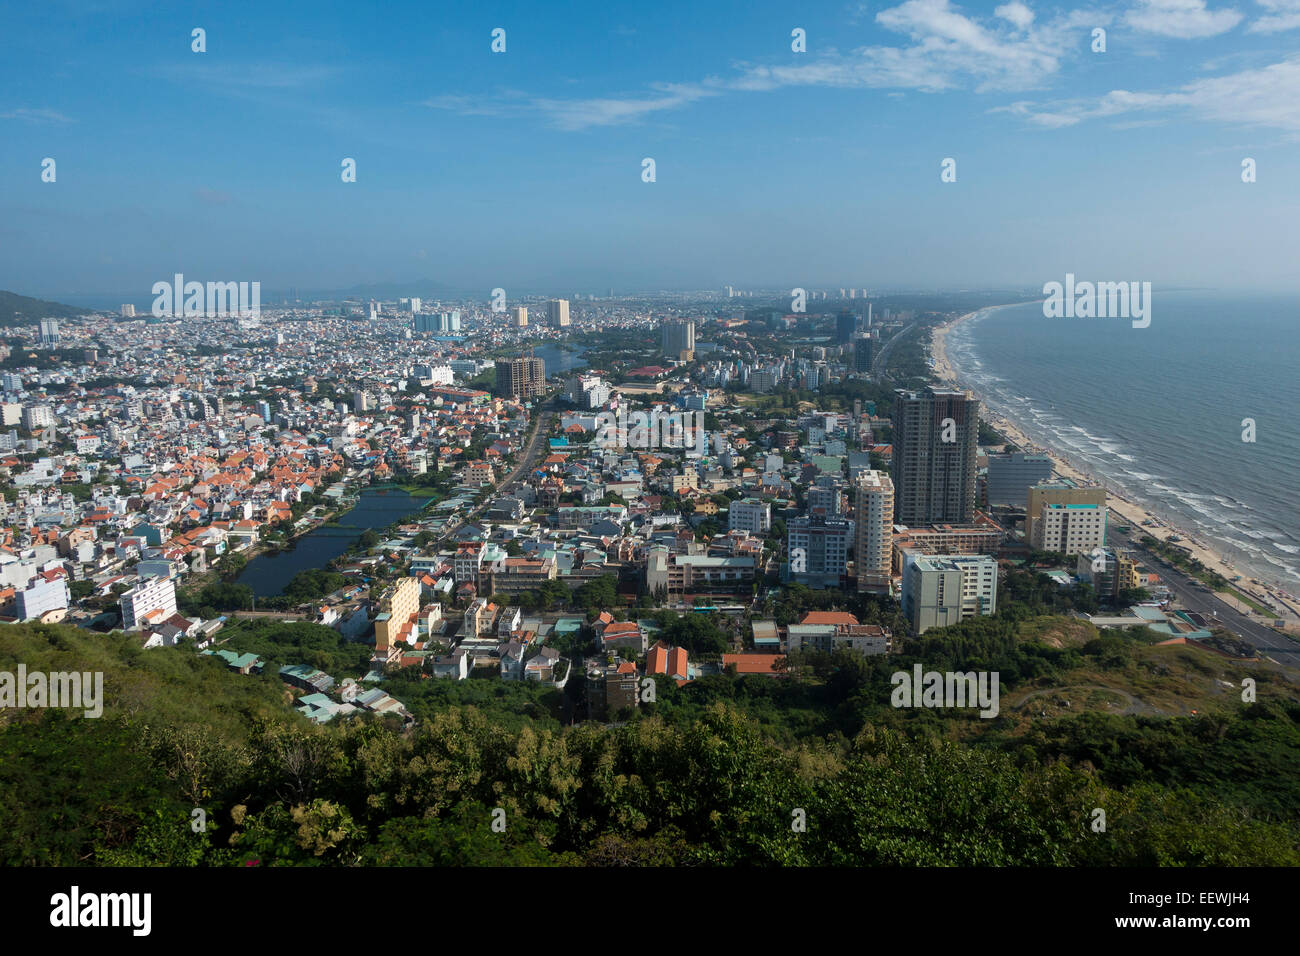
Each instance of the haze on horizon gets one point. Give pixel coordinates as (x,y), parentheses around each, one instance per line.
(774,169)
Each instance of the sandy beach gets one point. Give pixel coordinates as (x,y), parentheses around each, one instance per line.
(1131,513)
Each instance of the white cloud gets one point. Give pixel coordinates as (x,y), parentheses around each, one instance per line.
(1282,15)
(1015,13)
(36,116)
(1268,97)
(575,114)
(1183,19)
(946,50)
(947,43)
(609,111)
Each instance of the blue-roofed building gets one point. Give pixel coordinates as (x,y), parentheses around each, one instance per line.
(308,678)
(321,709)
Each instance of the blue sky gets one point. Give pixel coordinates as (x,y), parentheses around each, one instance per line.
(774,168)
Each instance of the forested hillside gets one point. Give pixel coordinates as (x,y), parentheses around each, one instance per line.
(21,310)
(812,769)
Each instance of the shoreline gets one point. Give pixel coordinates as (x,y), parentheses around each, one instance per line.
(1162,528)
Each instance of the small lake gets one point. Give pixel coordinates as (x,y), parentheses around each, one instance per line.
(561,360)
(267,574)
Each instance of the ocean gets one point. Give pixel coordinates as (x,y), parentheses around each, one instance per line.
(1158,412)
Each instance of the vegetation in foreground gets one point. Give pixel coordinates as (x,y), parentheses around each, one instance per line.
(715,774)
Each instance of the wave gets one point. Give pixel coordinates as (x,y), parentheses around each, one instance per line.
(1048,371)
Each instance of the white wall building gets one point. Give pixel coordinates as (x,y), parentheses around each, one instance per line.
(750,514)
(939,590)
(37,416)
(1070,529)
(40,597)
(874,518)
(140,603)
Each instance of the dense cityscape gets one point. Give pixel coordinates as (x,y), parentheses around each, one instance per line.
(756,440)
(159,467)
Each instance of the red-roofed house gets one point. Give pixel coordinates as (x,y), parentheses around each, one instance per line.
(767,664)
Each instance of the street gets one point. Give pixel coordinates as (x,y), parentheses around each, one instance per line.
(1214,608)
(537,446)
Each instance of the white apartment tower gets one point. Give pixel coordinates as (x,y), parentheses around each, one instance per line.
(874,518)
(1070,528)
(152,600)
(939,590)
(557,313)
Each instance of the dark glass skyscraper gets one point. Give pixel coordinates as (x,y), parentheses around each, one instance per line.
(846,323)
(933,460)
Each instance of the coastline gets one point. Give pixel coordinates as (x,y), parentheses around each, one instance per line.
(1131,512)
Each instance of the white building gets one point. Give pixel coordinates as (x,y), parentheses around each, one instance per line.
(874,517)
(680,573)
(151,600)
(1070,528)
(764,380)
(41,597)
(434,374)
(508,622)
(468,561)
(557,313)
(939,590)
(37,416)
(750,514)
(587,391)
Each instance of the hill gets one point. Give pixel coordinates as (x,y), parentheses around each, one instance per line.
(20,310)
(707,775)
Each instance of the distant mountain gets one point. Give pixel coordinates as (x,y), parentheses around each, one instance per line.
(18,309)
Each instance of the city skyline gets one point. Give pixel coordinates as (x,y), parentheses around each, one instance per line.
(525,168)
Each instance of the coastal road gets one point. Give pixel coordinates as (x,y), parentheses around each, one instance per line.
(536,448)
(881,362)
(1213,608)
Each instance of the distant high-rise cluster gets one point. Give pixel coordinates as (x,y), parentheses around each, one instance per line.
(440,323)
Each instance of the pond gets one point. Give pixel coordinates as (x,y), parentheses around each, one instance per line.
(267,574)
